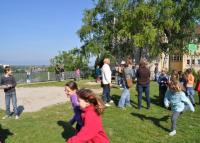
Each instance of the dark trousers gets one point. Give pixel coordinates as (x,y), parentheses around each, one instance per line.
(162,91)
(106,93)
(140,89)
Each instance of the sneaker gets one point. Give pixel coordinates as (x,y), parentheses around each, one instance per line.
(172,133)
(111,101)
(107,105)
(16,117)
(122,108)
(6,116)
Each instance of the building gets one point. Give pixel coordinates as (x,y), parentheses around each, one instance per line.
(181,62)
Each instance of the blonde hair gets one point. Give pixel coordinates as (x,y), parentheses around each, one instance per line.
(106,60)
(175,86)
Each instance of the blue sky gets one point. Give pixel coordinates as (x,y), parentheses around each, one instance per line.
(33,31)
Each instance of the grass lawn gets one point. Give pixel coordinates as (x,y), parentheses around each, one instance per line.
(122,126)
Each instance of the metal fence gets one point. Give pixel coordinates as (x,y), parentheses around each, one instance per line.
(47,76)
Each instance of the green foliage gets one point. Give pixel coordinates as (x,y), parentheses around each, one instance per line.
(71,60)
(123,26)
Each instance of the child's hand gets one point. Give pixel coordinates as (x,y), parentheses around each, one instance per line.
(9,85)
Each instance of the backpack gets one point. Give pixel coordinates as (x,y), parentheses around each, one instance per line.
(129,82)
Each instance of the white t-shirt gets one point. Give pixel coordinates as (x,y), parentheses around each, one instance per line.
(106,74)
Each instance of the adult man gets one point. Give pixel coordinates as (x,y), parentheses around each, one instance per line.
(106,81)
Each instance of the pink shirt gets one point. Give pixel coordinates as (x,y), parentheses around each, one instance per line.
(92,130)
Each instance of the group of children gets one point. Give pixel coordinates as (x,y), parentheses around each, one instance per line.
(87,108)
(173,91)
(178,92)
(86,105)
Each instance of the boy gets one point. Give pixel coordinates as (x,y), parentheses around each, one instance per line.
(8,81)
(163,85)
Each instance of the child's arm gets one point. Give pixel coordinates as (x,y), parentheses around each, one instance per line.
(13,82)
(166,99)
(187,101)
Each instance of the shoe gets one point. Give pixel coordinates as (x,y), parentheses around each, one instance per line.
(122,108)
(107,105)
(172,133)
(6,116)
(128,105)
(111,101)
(16,117)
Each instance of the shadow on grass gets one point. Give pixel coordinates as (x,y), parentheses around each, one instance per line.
(116,99)
(68,129)
(4,133)
(156,121)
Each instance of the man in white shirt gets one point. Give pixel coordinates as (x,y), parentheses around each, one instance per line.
(106,81)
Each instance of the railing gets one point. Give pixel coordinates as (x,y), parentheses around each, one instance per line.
(47,76)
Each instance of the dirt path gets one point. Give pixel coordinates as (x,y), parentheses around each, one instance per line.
(34,99)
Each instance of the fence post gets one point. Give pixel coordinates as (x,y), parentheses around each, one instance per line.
(48,75)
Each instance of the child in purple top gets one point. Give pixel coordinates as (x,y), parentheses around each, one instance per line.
(70,90)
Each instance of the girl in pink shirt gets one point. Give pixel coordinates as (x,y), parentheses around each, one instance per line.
(92,130)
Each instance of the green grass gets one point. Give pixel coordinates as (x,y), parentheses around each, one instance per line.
(122,126)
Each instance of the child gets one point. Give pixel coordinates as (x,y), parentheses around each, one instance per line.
(92,130)
(178,101)
(197,88)
(70,90)
(128,75)
(163,85)
(189,86)
(8,81)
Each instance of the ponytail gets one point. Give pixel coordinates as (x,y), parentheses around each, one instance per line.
(89,96)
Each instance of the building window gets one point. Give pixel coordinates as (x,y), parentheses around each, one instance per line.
(198,61)
(176,58)
(188,62)
(193,62)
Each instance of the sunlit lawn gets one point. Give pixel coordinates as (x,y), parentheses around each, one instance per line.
(122,126)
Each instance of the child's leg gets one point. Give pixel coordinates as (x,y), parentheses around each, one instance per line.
(173,120)
(190,92)
(161,96)
(78,127)
(7,100)
(192,99)
(14,102)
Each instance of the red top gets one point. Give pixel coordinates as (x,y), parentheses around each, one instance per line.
(92,130)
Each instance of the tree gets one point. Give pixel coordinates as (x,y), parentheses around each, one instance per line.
(71,59)
(124,27)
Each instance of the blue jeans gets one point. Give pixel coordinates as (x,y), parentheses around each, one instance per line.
(190,93)
(8,96)
(106,93)
(140,89)
(125,98)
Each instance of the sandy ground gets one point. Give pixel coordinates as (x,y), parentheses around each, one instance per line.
(34,99)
